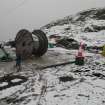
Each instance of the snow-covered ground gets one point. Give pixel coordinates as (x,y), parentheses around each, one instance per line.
(90,30)
(62,85)
(90,38)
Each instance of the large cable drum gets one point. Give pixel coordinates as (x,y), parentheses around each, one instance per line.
(28,44)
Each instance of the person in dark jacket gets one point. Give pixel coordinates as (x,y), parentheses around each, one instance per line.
(18,62)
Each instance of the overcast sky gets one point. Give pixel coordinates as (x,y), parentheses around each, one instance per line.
(32,14)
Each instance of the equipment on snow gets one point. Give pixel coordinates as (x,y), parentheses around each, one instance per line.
(6,56)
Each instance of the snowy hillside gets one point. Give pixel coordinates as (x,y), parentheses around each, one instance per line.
(87,25)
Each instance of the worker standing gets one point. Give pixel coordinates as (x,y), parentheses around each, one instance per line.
(18,62)
(79,60)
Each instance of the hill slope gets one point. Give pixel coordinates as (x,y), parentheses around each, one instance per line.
(88,25)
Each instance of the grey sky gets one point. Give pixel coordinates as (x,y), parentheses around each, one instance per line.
(32,14)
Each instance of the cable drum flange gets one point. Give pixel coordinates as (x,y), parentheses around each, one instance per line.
(43,43)
(24,43)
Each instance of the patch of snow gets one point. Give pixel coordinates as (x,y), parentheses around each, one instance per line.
(15,80)
(7,92)
(3,84)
